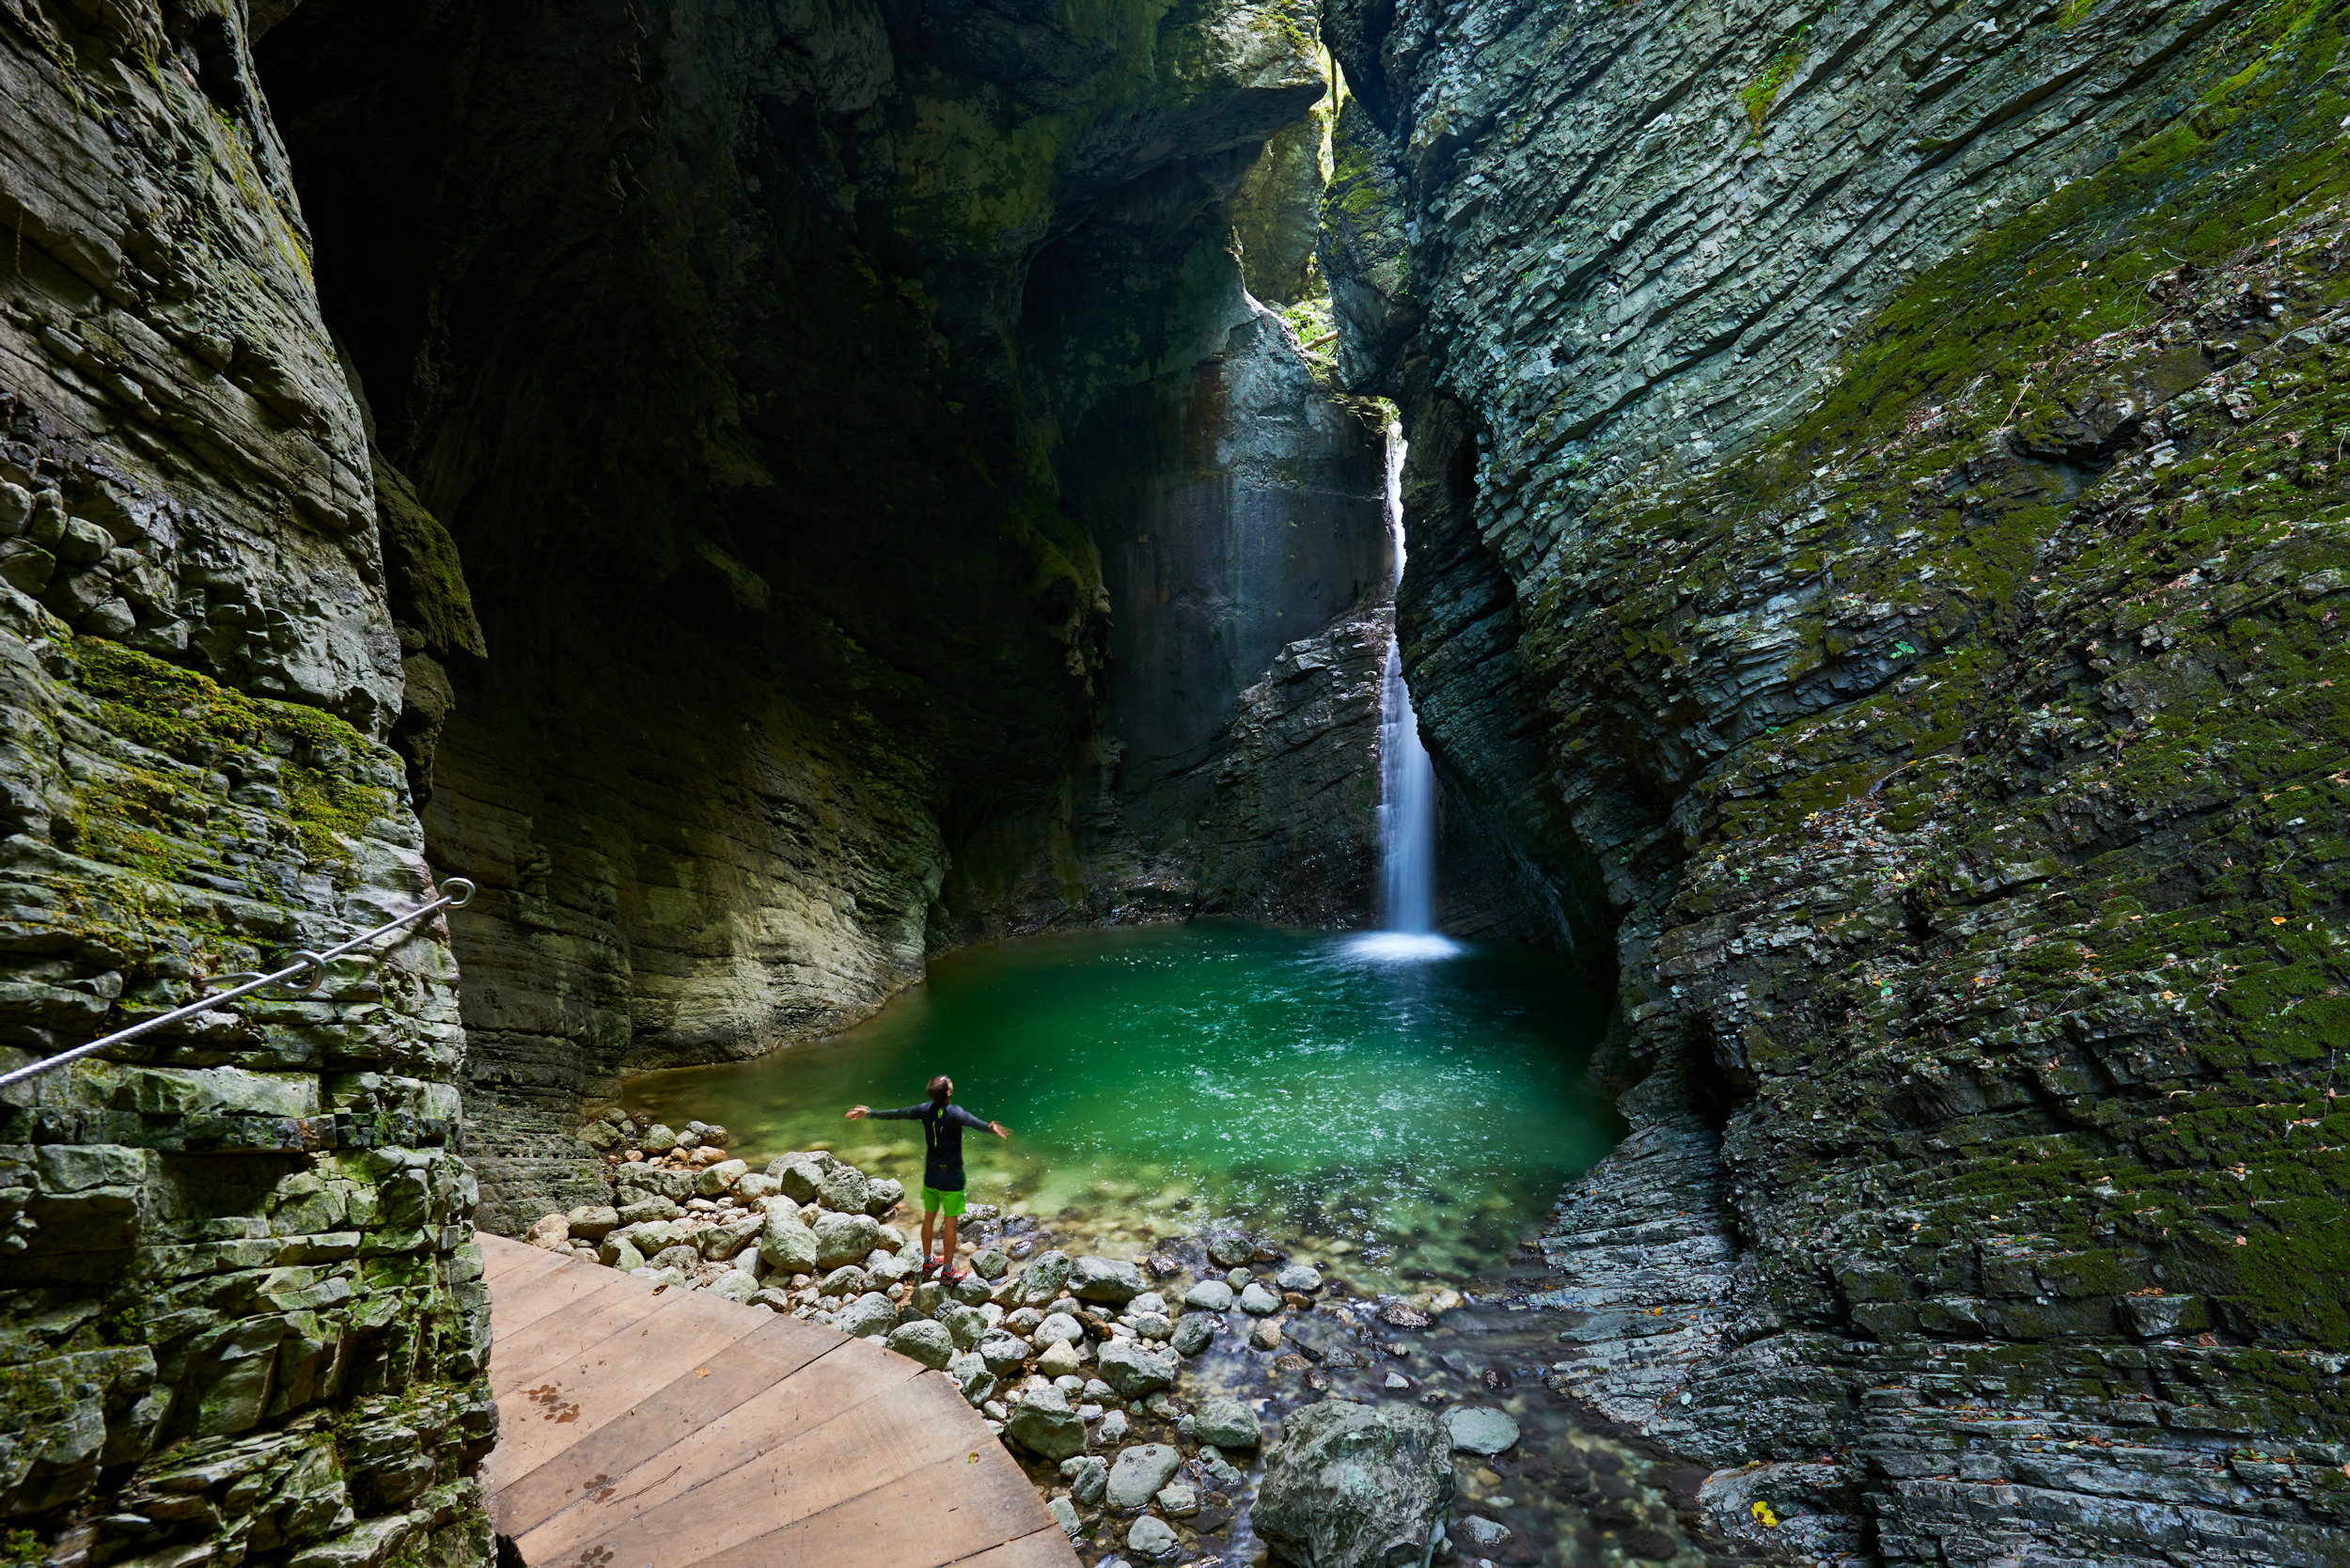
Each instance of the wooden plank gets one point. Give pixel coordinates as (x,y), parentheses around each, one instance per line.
(506,1263)
(606,1380)
(521,1357)
(948,1510)
(1045,1548)
(511,1311)
(917,1425)
(789,1377)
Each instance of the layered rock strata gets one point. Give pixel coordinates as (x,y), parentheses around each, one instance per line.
(240,1308)
(1884,553)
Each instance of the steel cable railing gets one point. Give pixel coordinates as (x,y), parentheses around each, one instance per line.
(457,892)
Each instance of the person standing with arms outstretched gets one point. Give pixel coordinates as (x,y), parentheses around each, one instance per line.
(941,1164)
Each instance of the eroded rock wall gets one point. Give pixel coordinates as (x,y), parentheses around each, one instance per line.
(240,1307)
(1880,564)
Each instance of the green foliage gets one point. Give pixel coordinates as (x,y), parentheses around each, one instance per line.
(1763,91)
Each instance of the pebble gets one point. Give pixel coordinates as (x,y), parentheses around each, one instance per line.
(1483,1533)
(1065,1515)
(1113,1429)
(1210,1296)
(1178,1501)
(1257,1302)
(1088,1475)
(1193,1333)
(1151,1537)
(1042,1421)
(848,1280)
(1481,1430)
(1058,1328)
(1299,1277)
(1395,1380)
(1060,1358)
(1266,1335)
(1003,1353)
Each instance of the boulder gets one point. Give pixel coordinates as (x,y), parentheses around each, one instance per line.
(1192,1333)
(684,1258)
(1353,1487)
(618,1252)
(989,1263)
(1210,1296)
(843,1188)
(787,1246)
(883,1195)
(1042,1280)
(1058,1328)
(1140,1472)
(925,1341)
(1104,1279)
(674,1185)
(652,1235)
(844,1238)
(1178,1501)
(1004,1354)
(658,1139)
(971,1375)
(1257,1302)
(1480,1429)
(970,1289)
(728,1237)
(869,1317)
(1227,1424)
(600,1135)
(846,1280)
(711,1180)
(735,1284)
(553,1233)
(1134,1371)
(1151,1539)
(593,1221)
(963,1323)
(1088,1476)
(1042,1423)
(1062,1359)
(795,1178)
(648,1205)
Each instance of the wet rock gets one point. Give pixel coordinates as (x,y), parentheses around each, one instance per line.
(1257,1302)
(1192,1333)
(1483,1533)
(1231,1250)
(1302,1277)
(1265,1335)
(1113,1429)
(1151,1539)
(1137,1474)
(924,1341)
(1042,1423)
(1104,1279)
(1353,1487)
(844,1238)
(1134,1371)
(990,1263)
(1227,1424)
(1178,1501)
(1220,1470)
(1481,1430)
(1403,1314)
(1210,1296)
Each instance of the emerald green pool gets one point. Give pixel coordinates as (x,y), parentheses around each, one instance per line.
(1407,1118)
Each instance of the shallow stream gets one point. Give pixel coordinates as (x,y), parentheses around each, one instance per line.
(1400,1120)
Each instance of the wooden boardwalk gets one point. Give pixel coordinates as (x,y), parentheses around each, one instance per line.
(644,1431)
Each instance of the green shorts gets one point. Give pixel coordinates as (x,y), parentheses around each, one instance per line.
(937,1202)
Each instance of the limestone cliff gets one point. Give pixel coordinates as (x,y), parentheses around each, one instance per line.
(240,1308)
(1877,542)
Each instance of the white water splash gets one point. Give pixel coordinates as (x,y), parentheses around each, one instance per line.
(1407,791)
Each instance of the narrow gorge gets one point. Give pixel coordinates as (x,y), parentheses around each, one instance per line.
(804,505)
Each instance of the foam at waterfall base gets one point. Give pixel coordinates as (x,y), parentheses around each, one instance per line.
(1401,947)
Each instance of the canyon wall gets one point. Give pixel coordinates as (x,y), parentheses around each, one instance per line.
(241,1315)
(1877,536)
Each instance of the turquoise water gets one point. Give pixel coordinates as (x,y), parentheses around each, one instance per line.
(1401,1119)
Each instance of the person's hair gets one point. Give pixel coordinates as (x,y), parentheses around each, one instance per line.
(940,1088)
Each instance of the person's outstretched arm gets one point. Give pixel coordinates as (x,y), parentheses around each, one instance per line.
(964,1118)
(904,1113)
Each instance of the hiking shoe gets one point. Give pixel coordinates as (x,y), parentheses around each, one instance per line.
(931,1266)
(954,1276)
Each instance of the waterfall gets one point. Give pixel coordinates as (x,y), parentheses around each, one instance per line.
(1407,787)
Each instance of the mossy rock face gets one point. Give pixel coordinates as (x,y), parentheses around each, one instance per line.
(1958,728)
